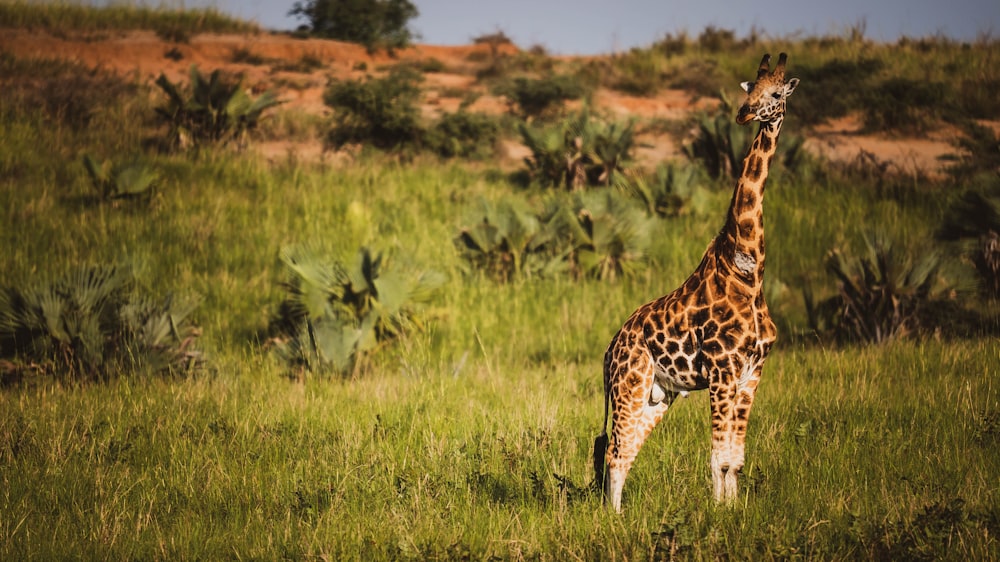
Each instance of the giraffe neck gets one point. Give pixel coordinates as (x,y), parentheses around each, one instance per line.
(742,238)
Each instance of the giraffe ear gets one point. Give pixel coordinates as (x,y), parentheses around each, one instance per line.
(746,86)
(790,86)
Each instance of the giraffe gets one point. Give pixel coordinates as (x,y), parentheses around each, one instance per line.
(713,332)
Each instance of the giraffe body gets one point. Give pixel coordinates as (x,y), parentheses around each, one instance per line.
(713,332)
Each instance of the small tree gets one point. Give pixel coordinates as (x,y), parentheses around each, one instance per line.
(372,23)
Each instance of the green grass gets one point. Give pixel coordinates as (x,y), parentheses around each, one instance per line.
(849,451)
(470,439)
(61,16)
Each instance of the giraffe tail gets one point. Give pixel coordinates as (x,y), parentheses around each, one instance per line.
(601,447)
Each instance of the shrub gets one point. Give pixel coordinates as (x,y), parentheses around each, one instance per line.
(372,23)
(979,152)
(217,110)
(95,324)
(463,134)
(833,89)
(594,234)
(973,219)
(719,144)
(380,111)
(904,105)
(67,93)
(536,97)
(334,314)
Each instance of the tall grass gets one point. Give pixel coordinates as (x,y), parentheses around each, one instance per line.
(61,16)
(470,439)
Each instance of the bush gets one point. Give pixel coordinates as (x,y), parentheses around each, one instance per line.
(674,190)
(67,93)
(973,219)
(95,324)
(608,233)
(464,135)
(904,105)
(334,314)
(217,110)
(380,111)
(833,89)
(537,97)
(372,23)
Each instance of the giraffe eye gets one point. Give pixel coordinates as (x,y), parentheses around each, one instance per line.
(776,95)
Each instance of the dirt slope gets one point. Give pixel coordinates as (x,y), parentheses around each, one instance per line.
(145,55)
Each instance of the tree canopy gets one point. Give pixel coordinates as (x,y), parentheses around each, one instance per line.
(372,23)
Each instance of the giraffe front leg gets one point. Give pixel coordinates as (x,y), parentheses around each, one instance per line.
(727,453)
(730,413)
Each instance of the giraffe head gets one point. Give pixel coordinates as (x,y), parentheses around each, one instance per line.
(766,95)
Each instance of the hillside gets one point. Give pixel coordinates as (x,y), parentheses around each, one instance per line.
(299,70)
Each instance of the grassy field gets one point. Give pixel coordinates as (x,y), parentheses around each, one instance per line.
(470,439)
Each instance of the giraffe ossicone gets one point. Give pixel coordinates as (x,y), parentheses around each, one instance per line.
(713,332)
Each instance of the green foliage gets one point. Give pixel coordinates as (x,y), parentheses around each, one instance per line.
(540,97)
(673,190)
(380,111)
(882,295)
(372,23)
(600,235)
(334,314)
(508,241)
(94,324)
(61,16)
(65,92)
(217,110)
(973,219)
(609,234)
(121,181)
(904,105)
(578,151)
(719,144)
(463,134)
(833,88)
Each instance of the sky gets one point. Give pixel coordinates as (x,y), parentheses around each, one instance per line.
(586,27)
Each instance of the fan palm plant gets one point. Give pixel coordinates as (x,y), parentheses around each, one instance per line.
(94,324)
(335,313)
(215,110)
(120,181)
(609,234)
(506,240)
(881,295)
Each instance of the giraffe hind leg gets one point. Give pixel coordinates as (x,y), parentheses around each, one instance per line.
(627,438)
